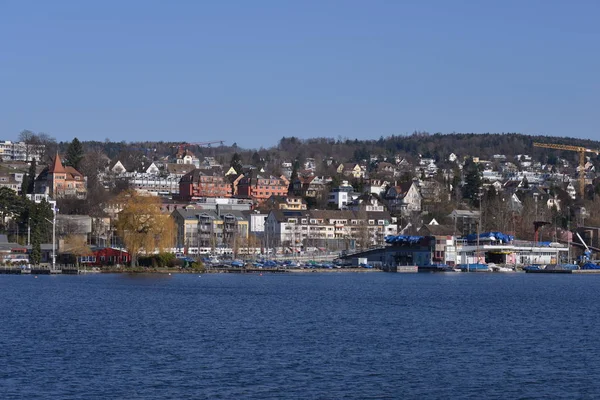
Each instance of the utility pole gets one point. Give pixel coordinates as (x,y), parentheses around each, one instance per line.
(568,235)
(479,225)
(53,222)
(54,211)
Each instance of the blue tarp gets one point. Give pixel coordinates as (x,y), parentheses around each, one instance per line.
(403,239)
(590,266)
(497,236)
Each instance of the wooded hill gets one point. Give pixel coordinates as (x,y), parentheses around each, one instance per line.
(436,146)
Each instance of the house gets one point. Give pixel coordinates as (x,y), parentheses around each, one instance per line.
(404,198)
(367,202)
(376,186)
(209,162)
(351,170)
(309,186)
(179,170)
(118,168)
(60,181)
(105,256)
(553,202)
(260,187)
(444,251)
(386,169)
(465,221)
(426,167)
(231,171)
(570,189)
(185,156)
(13,181)
(342,195)
(152,169)
(310,164)
(285,203)
(204,183)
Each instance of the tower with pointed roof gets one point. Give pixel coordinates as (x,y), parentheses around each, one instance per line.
(58,180)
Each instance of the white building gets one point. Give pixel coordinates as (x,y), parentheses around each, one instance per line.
(342,195)
(20,151)
(298,228)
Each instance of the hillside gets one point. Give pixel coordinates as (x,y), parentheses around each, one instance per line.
(436,146)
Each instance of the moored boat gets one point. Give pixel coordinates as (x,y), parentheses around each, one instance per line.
(475,267)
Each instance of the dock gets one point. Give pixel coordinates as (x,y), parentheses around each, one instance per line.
(242,270)
(564,271)
(11,271)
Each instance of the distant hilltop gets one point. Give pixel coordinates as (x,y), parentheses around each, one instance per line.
(436,146)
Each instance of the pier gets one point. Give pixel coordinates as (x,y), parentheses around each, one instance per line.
(564,271)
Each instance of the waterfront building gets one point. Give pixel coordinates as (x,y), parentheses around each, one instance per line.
(328,228)
(210,227)
(426,251)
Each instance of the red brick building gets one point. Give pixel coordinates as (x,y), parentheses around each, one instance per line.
(198,183)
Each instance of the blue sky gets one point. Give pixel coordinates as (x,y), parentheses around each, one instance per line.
(251,72)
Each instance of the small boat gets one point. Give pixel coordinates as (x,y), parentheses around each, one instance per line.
(475,267)
(500,268)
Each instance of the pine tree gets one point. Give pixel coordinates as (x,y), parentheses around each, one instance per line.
(472,183)
(74,154)
(24,185)
(31,176)
(36,245)
(236,162)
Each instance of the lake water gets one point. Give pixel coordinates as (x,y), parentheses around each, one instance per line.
(309,336)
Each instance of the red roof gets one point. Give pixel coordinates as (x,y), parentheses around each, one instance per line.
(56,165)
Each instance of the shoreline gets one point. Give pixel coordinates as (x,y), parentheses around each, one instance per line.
(234,271)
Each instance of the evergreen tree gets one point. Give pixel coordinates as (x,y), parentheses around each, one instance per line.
(74,154)
(257,160)
(472,184)
(236,162)
(11,205)
(24,185)
(36,246)
(31,176)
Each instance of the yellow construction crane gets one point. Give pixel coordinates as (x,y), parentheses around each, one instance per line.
(581,151)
